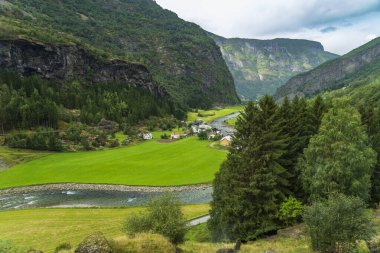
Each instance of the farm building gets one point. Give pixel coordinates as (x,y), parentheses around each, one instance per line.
(226,141)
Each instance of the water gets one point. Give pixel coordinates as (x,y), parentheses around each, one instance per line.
(219,123)
(88,198)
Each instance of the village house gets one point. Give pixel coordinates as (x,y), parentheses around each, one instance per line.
(146,136)
(175,136)
(226,141)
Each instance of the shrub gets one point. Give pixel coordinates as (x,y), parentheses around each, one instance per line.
(114,143)
(203,135)
(165,136)
(336,225)
(8,247)
(62,246)
(142,243)
(290,211)
(163,216)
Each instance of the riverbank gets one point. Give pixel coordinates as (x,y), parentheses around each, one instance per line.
(101,187)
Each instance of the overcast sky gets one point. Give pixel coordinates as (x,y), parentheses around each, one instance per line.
(340,25)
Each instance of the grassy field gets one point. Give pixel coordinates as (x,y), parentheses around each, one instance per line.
(188,161)
(44,229)
(231,122)
(210,115)
(11,157)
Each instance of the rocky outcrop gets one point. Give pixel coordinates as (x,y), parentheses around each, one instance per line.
(261,66)
(67,62)
(101,187)
(95,243)
(332,75)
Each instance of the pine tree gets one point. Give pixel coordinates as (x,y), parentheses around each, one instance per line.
(251,183)
(371,119)
(339,158)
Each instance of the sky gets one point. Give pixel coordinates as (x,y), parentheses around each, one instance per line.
(340,25)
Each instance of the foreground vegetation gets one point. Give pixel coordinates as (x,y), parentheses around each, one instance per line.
(45,229)
(184,162)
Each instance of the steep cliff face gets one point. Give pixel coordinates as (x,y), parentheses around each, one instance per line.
(261,66)
(335,74)
(68,62)
(179,55)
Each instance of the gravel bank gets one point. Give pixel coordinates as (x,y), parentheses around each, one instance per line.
(101,187)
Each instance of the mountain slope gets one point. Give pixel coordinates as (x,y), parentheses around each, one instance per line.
(179,55)
(261,66)
(356,67)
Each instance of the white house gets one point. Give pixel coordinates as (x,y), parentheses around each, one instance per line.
(175,135)
(146,136)
(204,127)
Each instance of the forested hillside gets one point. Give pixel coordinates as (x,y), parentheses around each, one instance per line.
(180,56)
(358,67)
(259,67)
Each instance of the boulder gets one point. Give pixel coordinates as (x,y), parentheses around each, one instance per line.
(95,243)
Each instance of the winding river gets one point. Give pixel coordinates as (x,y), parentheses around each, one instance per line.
(59,198)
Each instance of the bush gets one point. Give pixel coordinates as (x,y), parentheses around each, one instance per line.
(62,246)
(165,136)
(163,216)
(8,247)
(203,135)
(290,211)
(114,143)
(336,225)
(142,243)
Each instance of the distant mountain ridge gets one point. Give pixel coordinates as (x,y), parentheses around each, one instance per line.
(261,66)
(352,68)
(179,55)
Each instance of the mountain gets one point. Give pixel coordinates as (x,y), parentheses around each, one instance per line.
(179,56)
(261,66)
(357,68)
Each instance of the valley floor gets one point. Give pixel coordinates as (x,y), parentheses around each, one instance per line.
(44,229)
(151,163)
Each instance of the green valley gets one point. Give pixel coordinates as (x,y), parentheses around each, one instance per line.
(184,162)
(259,67)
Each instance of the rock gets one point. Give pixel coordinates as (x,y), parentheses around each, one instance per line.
(65,62)
(95,243)
(225,251)
(332,75)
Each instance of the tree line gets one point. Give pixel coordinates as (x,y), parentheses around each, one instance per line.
(315,159)
(29,102)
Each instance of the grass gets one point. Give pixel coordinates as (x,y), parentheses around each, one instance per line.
(290,240)
(210,115)
(15,156)
(231,122)
(185,162)
(44,229)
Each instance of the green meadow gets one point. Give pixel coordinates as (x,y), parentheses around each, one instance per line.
(151,163)
(210,115)
(44,229)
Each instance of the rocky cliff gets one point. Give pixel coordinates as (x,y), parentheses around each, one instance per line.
(68,62)
(335,74)
(179,55)
(261,66)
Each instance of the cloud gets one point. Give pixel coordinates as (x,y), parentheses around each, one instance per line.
(269,18)
(328,29)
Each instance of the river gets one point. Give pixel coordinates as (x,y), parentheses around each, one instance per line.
(103,198)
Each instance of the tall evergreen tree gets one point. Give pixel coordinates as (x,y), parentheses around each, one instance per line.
(252,182)
(339,158)
(300,122)
(371,119)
